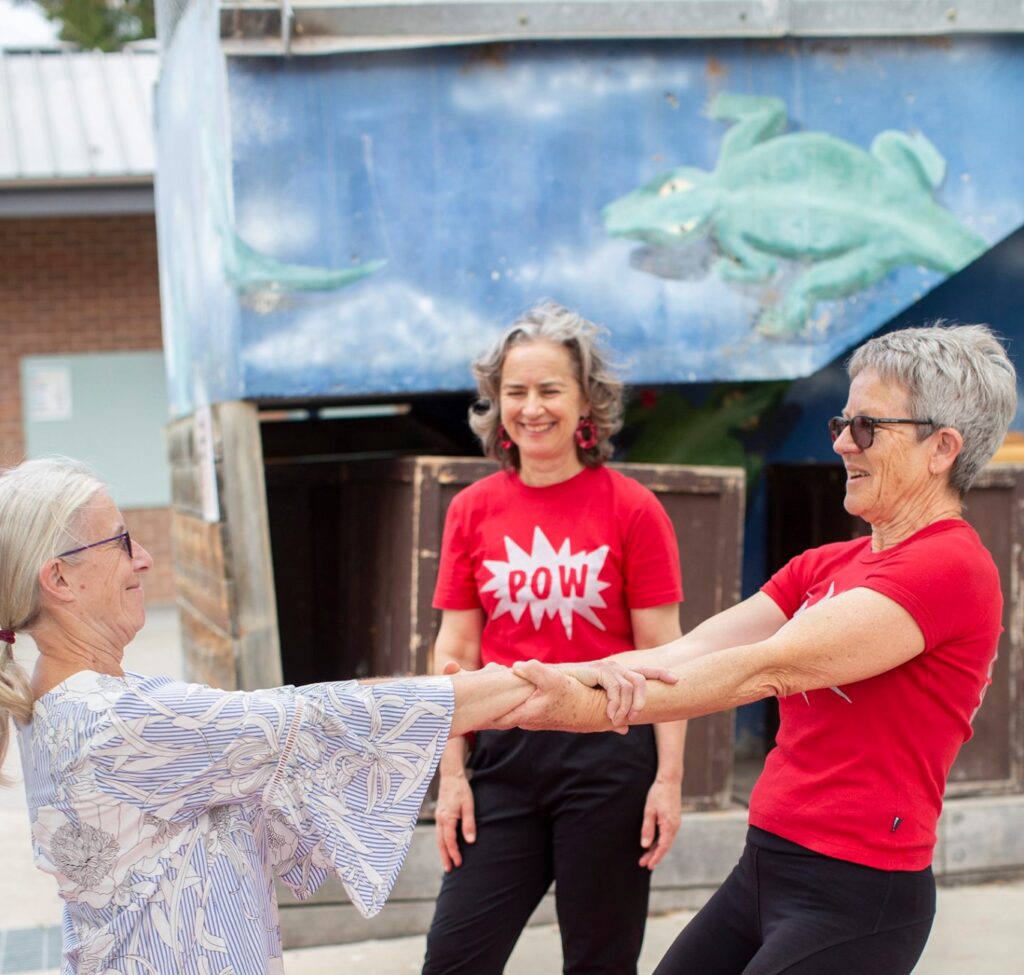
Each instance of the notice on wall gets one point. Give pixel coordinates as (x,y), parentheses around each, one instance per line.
(48,392)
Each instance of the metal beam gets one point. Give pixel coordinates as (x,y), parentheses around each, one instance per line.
(75,201)
(259,27)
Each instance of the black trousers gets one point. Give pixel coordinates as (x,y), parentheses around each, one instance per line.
(550,806)
(786,909)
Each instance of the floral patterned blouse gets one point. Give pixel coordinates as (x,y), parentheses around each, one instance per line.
(164,810)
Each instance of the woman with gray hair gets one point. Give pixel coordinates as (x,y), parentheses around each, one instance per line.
(558,557)
(879,650)
(164,810)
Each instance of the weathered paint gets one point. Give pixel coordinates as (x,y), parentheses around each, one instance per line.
(849,217)
(479,174)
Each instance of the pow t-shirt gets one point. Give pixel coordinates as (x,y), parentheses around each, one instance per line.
(557,569)
(859,771)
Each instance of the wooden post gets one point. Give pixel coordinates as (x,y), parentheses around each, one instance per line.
(223,568)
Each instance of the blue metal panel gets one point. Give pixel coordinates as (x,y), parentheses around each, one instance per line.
(479,175)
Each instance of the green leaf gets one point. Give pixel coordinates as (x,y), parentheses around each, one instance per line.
(101,25)
(674,431)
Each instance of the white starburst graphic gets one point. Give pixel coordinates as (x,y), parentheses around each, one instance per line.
(548,582)
(831,592)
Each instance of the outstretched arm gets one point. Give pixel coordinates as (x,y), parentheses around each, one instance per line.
(750,621)
(489,698)
(853,636)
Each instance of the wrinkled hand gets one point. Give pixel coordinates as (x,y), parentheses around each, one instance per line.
(454,806)
(560,702)
(662,816)
(554,703)
(626,688)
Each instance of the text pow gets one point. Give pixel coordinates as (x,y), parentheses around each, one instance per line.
(548,582)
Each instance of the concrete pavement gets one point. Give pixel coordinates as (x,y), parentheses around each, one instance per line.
(979,929)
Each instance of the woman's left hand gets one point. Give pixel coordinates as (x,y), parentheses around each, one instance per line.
(625,687)
(662,817)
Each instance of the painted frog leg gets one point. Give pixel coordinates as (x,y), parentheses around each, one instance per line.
(741,262)
(757,119)
(911,156)
(835,278)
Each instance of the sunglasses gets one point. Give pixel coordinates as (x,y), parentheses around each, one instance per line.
(124,538)
(862,428)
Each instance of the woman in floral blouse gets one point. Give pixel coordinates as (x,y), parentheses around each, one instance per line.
(164,810)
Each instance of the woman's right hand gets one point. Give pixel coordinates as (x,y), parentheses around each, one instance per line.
(454,807)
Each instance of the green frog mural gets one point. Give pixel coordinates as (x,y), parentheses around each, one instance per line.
(846,216)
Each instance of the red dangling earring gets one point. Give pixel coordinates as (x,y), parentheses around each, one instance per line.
(586,433)
(504,440)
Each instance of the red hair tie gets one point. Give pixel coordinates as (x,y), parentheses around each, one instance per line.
(7,636)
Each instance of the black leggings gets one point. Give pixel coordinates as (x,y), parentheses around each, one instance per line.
(787,909)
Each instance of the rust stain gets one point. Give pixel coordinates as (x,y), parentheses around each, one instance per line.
(778,46)
(715,70)
(491,56)
(942,42)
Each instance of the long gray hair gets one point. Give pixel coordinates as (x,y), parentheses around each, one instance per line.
(40,505)
(958,376)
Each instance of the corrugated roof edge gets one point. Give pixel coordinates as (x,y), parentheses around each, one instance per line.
(67,120)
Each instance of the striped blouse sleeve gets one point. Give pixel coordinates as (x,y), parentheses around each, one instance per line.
(339,770)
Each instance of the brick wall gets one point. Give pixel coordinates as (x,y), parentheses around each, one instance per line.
(80,284)
(152,527)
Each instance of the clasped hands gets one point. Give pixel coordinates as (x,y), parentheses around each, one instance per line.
(565,696)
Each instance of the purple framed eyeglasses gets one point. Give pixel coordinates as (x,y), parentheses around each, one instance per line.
(123,537)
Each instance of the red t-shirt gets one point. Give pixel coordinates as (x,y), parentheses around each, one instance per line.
(859,771)
(557,569)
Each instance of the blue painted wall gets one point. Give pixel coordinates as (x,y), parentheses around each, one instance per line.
(478,176)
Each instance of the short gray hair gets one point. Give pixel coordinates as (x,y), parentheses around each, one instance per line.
(40,506)
(602,389)
(958,376)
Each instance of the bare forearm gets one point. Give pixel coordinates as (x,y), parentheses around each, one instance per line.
(668,655)
(670,737)
(482,697)
(453,759)
(751,621)
(708,683)
(699,642)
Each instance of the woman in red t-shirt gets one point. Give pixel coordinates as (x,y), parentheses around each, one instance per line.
(560,558)
(879,650)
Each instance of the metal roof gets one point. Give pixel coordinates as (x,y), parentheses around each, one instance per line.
(259,27)
(74,119)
